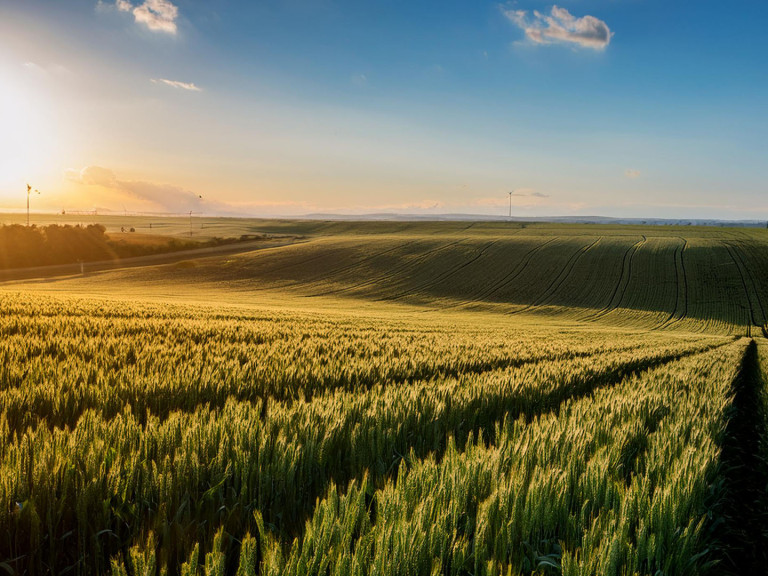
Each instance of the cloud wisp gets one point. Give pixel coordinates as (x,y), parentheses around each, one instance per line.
(177,84)
(157,15)
(561,27)
(525,193)
(632,174)
(164,197)
(104,188)
(521,198)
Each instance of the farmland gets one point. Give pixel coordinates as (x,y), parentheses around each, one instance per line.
(394,398)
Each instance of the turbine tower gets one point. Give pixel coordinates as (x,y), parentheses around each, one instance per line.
(199,197)
(29,191)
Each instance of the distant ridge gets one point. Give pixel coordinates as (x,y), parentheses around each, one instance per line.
(559,219)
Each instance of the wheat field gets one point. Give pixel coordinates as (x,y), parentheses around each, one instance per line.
(394,398)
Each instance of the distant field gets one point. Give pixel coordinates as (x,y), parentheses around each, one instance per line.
(394,398)
(182,226)
(700,279)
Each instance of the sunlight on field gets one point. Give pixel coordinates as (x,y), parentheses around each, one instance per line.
(649,277)
(328,288)
(451,399)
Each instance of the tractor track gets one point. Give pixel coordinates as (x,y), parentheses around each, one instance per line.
(747,279)
(511,276)
(621,286)
(560,278)
(741,525)
(444,275)
(343,268)
(363,260)
(478,416)
(390,273)
(752,321)
(681,284)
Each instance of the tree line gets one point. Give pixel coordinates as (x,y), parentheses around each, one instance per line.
(28,246)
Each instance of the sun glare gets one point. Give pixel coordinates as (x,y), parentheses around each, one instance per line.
(22,147)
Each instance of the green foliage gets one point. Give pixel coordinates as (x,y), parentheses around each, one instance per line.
(54,244)
(249,556)
(191,566)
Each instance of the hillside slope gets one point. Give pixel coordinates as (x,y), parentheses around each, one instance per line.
(696,278)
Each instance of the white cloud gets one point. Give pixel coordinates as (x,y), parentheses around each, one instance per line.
(522,197)
(98,186)
(102,187)
(92,176)
(516,16)
(528,193)
(560,26)
(47,70)
(163,197)
(176,84)
(632,174)
(157,15)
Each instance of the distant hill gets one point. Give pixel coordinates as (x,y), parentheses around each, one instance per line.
(562,219)
(703,279)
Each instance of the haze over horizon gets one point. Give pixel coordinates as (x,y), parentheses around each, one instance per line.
(629,109)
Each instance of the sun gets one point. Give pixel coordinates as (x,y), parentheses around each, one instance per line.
(24,139)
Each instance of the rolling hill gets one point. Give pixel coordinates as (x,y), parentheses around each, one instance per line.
(389,398)
(709,279)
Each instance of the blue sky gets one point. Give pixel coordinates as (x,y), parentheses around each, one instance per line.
(614,107)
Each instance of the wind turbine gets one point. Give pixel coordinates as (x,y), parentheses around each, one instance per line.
(29,191)
(510,202)
(199,196)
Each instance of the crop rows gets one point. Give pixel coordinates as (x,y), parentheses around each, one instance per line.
(617,483)
(138,439)
(642,277)
(53,367)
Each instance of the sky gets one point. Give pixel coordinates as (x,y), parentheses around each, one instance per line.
(625,108)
